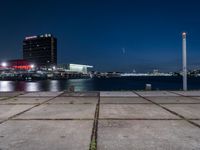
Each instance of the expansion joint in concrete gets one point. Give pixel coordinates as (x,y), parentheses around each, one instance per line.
(93,142)
(180,116)
(28,109)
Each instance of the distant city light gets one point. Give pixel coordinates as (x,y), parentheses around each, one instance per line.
(4,64)
(54,67)
(30,37)
(32,66)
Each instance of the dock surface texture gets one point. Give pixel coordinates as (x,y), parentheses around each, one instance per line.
(125,120)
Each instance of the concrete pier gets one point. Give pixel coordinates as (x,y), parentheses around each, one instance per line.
(147,120)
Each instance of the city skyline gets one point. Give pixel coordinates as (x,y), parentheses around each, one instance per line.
(110,35)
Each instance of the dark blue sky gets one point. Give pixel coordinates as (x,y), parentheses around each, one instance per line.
(112,35)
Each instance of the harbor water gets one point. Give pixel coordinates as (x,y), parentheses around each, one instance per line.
(102,84)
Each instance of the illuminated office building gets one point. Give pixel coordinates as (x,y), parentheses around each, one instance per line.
(41,50)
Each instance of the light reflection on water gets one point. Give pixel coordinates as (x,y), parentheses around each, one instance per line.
(81,84)
(54,86)
(46,85)
(101,84)
(6,86)
(31,86)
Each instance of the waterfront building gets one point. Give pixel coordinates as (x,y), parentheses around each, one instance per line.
(76,68)
(41,50)
(79,68)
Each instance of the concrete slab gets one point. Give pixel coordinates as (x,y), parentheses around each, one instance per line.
(136,111)
(25,100)
(74,100)
(173,99)
(10,94)
(198,98)
(67,111)
(80,94)
(190,111)
(148,135)
(7,111)
(188,93)
(118,94)
(45,135)
(155,93)
(121,100)
(41,94)
(2,98)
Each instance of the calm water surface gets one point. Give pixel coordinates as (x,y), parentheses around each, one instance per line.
(101,84)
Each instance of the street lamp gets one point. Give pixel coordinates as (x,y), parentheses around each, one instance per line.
(184,51)
(32,66)
(4,64)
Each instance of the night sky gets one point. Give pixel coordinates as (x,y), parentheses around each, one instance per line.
(112,35)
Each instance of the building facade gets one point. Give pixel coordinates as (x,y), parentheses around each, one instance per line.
(41,50)
(79,68)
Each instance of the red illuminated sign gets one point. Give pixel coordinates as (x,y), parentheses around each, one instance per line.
(22,67)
